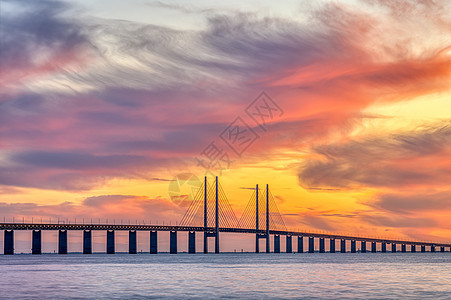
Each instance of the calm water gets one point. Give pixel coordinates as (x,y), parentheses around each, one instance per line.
(258,276)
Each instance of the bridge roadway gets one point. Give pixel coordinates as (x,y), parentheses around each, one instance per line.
(111,227)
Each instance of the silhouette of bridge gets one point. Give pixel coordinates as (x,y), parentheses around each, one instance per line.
(211,213)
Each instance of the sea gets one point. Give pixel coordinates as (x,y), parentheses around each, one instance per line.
(227,276)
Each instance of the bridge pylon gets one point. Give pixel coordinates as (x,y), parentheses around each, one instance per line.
(210,209)
(207,232)
(262,214)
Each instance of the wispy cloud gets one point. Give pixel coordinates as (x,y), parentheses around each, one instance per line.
(414,158)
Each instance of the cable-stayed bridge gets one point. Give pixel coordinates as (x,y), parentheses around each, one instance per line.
(211,213)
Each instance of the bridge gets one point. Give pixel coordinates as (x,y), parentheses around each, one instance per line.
(210,213)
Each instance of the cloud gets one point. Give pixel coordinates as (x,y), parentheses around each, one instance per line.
(409,203)
(76,161)
(38,40)
(318,223)
(149,96)
(103,206)
(400,160)
(396,221)
(98,201)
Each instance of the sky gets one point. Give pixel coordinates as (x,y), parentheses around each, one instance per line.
(342,107)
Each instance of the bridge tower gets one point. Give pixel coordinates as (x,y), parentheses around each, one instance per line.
(208,233)
(267,219)
(211,210)
(262,214)
(258,235)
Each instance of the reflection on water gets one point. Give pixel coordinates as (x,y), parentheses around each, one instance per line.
(390,275)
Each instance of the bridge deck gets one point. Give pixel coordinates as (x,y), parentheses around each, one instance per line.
(29,226)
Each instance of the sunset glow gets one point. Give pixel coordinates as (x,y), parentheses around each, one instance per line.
(101,107)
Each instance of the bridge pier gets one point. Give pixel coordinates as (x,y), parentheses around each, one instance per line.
(423,248)
(432,248)
(321,245)
(300,244)
(393,247)
(36,243)
(257,243)
(191,242)
(413,248)
(363,246)
(173,242)
(442,249)
(343,246)
(384,247)
(132,242)
(288,244)
(373,247)
(311,245)
(110,242)
(8,247)
(268,247)
(403,248)
(353,246)
(276,243)
(62,241)
(87,242)
(332,245)
(153,242)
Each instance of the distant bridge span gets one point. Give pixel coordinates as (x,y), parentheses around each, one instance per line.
(211,231)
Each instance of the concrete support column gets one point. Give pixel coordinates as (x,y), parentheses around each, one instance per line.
(110,242)
(384,247)
(363,246)
(343,246)
(393,248)
(192,242)
(62,241)
(36,244)
(87,242)
(442,249)
(268,248)
(332,245)
(288,244)
(322,247)
(432,248)
(300,244)
(173,242)
(373,247)
(353,246)
(257,243)
(276,243)
(423,248)
(8,247)
(132,242)
(205,242)
(311,245)
(153,242)
(403,248)
(413,248)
